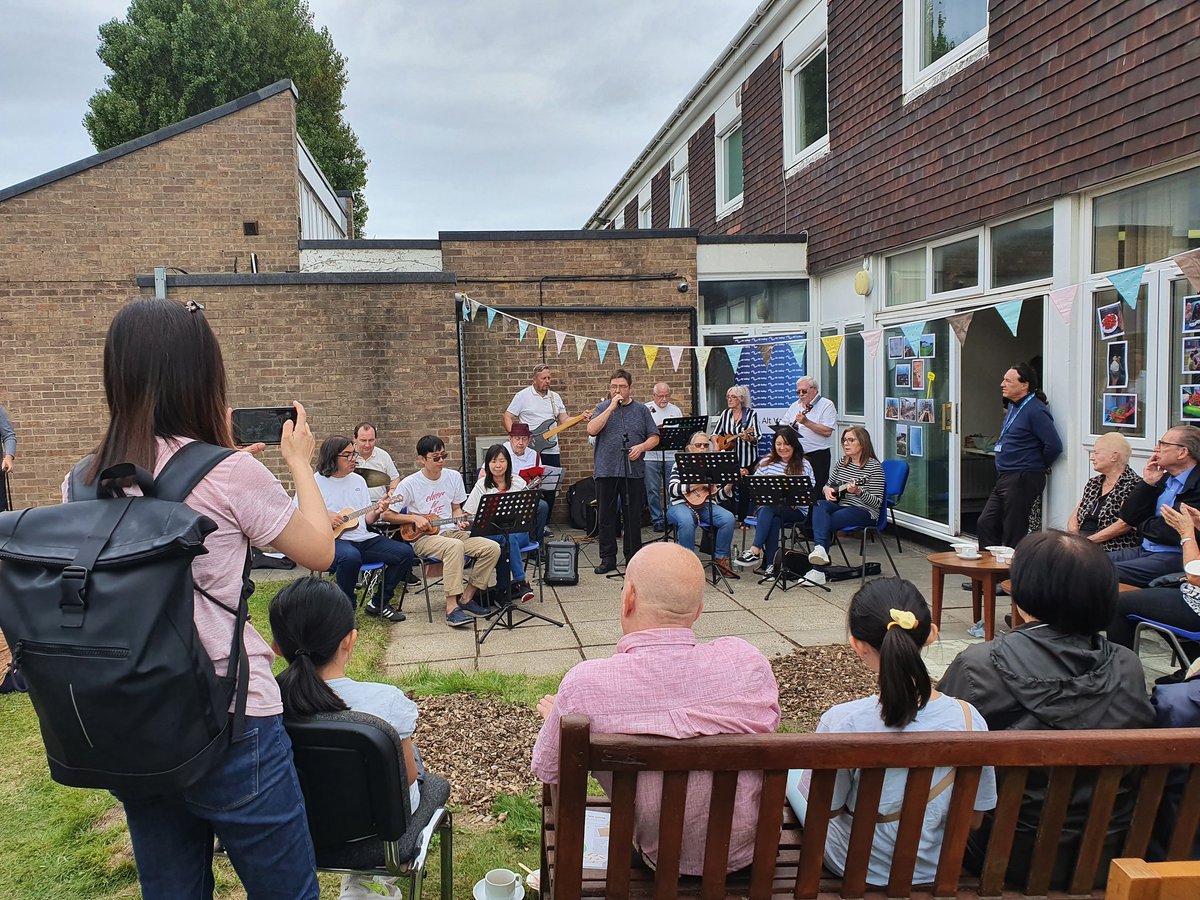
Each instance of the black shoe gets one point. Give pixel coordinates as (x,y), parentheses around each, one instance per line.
(659,528)
(1176,677)
(606,566)
(388,613)
(1000,592)
(413,579)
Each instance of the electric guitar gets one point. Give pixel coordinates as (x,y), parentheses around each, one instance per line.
(410,531)
(543,435)
(350,517)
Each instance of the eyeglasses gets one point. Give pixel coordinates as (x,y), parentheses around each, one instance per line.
(703,446)
(1162,444)
(436,457)
(349,454)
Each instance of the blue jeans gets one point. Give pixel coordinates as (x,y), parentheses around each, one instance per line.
(832,517)
(771,520)
(252,802)
(515,543)
(349,556)
(685,520)
(654,471)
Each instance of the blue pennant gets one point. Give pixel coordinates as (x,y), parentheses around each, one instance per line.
(1010,312)
(734,352)
(912,334)
(1128,283)
(491,316)
(622,351)
(601,348)
(522,327)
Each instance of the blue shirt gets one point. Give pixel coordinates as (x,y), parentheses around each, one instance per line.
(1175,484)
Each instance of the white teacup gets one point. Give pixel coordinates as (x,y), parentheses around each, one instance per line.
(500,884)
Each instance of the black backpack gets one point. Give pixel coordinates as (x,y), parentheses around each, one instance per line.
(581,505)
(96,599)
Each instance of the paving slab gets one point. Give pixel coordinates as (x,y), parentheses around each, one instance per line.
(817,636)
(439,665)
(595,634)
(545,662)
(600,652)
(724,624)
(532,636)
(413,649)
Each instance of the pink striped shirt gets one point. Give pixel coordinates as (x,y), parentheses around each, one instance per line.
(662,682)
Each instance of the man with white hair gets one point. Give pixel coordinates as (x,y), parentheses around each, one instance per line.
(662,681)
(815,419)
(659,463)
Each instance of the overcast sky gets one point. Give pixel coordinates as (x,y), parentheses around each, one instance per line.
(475,114)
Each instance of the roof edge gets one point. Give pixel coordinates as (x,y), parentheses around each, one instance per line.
(608,234)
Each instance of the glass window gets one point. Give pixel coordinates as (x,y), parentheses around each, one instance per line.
(1146,223)
(811,106)
(1023,250)
(945,24)
(680,217)
(1184,399)
(906,277)
(1119,364)
(853,362)
(754,302)
(956,266)
(646,216)
(731,154)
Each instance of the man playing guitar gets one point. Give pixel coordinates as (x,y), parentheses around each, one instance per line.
(814,417)
(435,494)
(690,508)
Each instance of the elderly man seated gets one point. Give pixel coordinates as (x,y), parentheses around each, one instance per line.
(690,507)
(661,681)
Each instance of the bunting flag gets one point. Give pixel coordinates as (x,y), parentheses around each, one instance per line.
(833,346)
(541,329)
(871,340)
(651,355)
(1189,265)
(471,307)
(522,327)
(601,348)
(960,324)
(1128,283)
(491,313)
(799,351)
(765,351)
(1010,312)
(676,356)
(734,352)
(1064,301)
(466,309)
(912,333)
(559,337)
(622,351)
(702,356)
(580,344)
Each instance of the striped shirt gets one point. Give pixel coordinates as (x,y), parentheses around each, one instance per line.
(871,497)
(747,451)
(676,489)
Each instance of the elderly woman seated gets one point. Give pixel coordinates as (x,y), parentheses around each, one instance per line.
(1097,515)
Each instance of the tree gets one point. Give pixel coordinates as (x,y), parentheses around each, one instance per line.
(171,59)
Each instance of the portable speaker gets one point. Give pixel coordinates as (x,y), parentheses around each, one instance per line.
(562,562)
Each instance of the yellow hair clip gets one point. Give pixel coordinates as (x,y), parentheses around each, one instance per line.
(903,618)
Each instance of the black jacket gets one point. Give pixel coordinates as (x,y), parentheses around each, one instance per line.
(1140,509)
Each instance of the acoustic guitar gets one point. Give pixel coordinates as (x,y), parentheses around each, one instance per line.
(410,532)
(350,517)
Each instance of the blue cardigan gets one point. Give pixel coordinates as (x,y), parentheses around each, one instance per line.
(1031,443)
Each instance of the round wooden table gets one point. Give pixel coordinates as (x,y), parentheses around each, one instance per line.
(985,574)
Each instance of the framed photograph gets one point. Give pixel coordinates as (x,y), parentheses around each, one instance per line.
(896,347)
(918,375)
(925,411)
(1189,402)
(1191,356)
(1120,410)
(910,352)
(902,440)
(1191,312)
(1117,354)
(928,346)
(891,408)
(904,375)
(1111,321)
(908,409)
(916,440)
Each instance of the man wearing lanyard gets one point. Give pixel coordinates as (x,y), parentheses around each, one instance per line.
(1171,478)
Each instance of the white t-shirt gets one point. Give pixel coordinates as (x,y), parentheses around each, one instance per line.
(659,414)
(824,413)
(379,461)
(347,492)
(526,460)
(533,409)
(424,497)
(862,717)
(388,703)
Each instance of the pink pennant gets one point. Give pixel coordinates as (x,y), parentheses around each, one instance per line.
(1189,265)
(559,337)
(676,355)
(871,340)
(1064,301)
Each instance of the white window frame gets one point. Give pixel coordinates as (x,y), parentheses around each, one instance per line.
(918,80)
(800,47)
(985,272)
(725,207)
(645,218)
(680,201)
(971,291)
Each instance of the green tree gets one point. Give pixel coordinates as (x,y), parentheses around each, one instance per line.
(170,59)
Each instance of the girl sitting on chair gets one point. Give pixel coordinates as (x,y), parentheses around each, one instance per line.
(498,478)
(312,627)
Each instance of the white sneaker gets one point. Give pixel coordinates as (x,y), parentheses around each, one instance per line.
(814,576)
(818,557)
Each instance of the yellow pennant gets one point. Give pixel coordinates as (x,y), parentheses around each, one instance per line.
(651,355)
(833,346)
(541,335)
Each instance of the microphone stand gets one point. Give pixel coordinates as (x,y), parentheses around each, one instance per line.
(625,517)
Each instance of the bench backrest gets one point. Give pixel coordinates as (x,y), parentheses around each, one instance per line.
(1064,755)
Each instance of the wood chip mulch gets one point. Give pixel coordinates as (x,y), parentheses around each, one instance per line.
(484,746)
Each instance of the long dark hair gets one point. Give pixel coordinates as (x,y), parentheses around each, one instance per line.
(796,466)
(904,686)
(327,456)
(309,619)
(1026,374)
(164,377)
(492,452)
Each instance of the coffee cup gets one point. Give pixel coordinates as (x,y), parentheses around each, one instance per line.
(500,884)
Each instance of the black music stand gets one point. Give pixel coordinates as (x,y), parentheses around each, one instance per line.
(784,490)
(505,514)
(674,434)
(719,468)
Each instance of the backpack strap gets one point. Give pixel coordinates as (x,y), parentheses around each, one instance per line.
(187,468)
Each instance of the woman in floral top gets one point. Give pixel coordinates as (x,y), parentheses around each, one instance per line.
(1096,517)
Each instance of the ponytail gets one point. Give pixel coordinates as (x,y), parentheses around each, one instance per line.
(309,619)
(904,685)
(891,616)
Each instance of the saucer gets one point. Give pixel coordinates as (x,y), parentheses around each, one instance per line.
(969,555)
(478,894)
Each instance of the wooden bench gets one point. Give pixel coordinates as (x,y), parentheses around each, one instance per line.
(788,861)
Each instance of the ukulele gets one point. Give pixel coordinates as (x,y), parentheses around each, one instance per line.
(726,441)
(410,531)
(350,516)
(841,490)
(697,495)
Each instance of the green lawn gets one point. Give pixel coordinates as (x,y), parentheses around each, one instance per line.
(60,842)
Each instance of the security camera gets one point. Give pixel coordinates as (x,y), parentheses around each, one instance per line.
(683,287)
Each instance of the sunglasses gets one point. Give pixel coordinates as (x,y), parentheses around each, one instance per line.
(436,457)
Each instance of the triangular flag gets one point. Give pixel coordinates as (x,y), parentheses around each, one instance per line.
(622,351)
(799,351)
(833,346)
(702,356)
(960,324)
(912,334)
(764,351)
(559,337)
(491,316)
(466,309)
(580,344)
(601,348)
(1189,265)
(472,306)
(1128,283)
(676,356)
(651,355)
(1064,301)
(1010,312)
(734,352)
(522,327)
(541,329)
(871,340)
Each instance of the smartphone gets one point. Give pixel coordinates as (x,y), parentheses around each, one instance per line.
(261,424)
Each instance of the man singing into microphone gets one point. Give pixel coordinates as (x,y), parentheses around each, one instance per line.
(624,431)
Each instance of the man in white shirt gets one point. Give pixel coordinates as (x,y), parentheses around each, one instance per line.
(524,458)
(815,419)
(659,463)
(374,458)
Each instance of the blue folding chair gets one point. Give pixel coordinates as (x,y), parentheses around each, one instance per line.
(862,530)
(895,478)
(1170,634)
